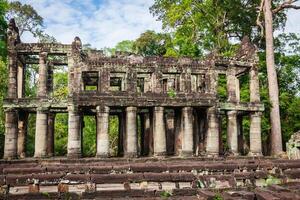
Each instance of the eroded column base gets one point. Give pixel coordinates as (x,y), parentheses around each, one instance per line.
(73,156)
(131,155)
(186,154)
(212,155)
(160,154)
(255,154)
(102,155)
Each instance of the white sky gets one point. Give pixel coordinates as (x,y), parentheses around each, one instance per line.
(104,23)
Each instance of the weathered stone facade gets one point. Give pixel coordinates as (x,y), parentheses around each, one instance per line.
(175,100)
(293,146)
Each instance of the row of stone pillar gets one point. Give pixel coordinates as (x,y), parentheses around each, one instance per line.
(44,140)
(233,131)
(131,136)
(16,133)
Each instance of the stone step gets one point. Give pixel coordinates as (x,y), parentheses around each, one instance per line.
(156,167)
(269,193)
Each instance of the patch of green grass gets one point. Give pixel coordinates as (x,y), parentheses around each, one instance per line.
(165,194)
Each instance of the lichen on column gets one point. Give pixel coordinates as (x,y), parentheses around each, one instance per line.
(22,134)
(74,134)
(232,132)
(255,134)
(187,142)
(212,140)
(159,132)
(102,131)
(41,133)
(131,132)
(43,75)
(11,134)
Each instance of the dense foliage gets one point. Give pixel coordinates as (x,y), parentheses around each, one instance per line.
(3,70)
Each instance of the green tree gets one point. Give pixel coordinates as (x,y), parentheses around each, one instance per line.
(152,44)
(3,27)
(268,10)
(3,70)
(205,26)
(123,46)
(26,17)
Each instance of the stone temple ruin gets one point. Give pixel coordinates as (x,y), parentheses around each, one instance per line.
(170,118)
(176,100)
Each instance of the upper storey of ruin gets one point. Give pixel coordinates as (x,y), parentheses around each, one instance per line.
(128,79)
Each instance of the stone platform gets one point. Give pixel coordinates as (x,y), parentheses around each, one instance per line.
(151,178)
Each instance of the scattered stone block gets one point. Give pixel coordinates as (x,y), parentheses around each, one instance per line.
(90,187)
(34,188)
(63,188)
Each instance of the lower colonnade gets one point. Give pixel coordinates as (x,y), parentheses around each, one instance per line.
(150,131)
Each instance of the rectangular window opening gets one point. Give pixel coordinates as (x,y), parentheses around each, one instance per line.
(31,80)
(165,85)
(140,85)
(198,83)
(58,82)
(222,87)
(170,82)
(90,80)
(115,84)
(244,81)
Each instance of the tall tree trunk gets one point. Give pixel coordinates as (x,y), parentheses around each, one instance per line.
(276,140)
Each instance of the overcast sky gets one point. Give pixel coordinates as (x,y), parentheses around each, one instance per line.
(103,23)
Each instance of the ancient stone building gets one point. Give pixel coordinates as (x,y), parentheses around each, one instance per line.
(175,101)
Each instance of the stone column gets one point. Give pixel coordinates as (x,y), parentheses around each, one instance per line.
(187,142)
(22,133)
(11,134)
(178,133)
(212,145)
(232,132)
(102,131)
(21,80)
(255,134)
(41,134)
(74,134)
(254,86)
(43,75)
(255,118)
(232,86)
(50,134)
(12,75)
(71,73)
(213,79)
(131,132)
(50,78)
(237,89)
(159,132)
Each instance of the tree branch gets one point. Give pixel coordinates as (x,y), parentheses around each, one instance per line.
(258,21)
(286,4)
